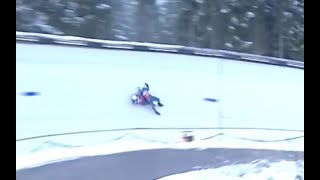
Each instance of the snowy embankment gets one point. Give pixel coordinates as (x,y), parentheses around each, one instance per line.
(36,152)
(258,170)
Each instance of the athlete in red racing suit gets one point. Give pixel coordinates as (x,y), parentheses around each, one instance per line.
(143,97)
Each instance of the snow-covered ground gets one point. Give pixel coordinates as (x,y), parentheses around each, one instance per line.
(259,170)
(43,150)
(83,89)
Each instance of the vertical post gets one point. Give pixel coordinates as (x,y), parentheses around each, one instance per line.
(219,93)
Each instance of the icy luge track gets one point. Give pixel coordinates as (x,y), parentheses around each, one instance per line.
(63,74)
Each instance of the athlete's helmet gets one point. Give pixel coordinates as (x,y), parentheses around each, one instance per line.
(134,98)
